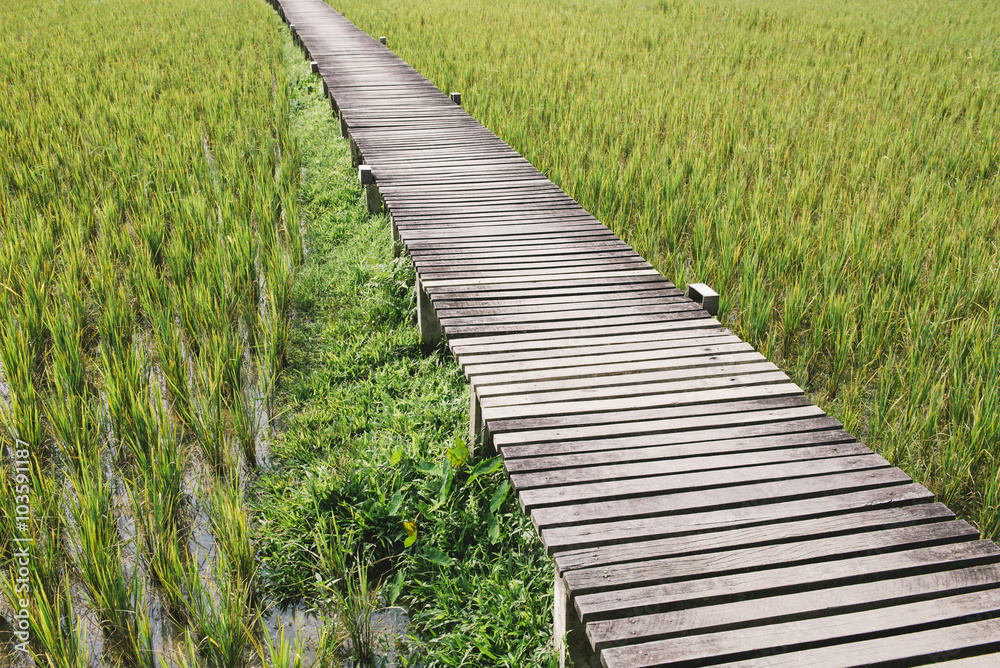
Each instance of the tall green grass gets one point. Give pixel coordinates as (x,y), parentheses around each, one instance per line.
(830,168)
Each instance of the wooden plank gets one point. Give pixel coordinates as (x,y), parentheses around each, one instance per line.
(758,584)
(619,385)
(561,325)
(636,497)
(685,309)
(763,641)
(752,536)
(940,644)
(619,531)
(663,505)
(651,421)
(611,355)
(587,337)
(644,628)
(711,438)
(680,393)
(638,467)
(539,278)
(783,555)
(514,304)
(582,348)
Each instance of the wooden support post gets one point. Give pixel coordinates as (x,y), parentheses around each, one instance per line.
(704,295)
(479,433)
(314,67)
(456,98)
(373,198)
(381,40)
(427,320)
(569,632)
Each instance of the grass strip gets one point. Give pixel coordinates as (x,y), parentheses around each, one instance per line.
(371,498)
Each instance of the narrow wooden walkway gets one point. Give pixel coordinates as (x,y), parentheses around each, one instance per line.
(699,509)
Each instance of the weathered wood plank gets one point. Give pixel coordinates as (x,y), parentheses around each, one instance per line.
(764,641)
(758,584)
(697,518)
(740,537)
(709,439)
(928,646)
(783,555)
(650,421)
(679,393)
(640,467)
(644,628)
(620,385)
(723,483)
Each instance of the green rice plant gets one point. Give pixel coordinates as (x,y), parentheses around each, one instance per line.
(172,360)
(126,382)
(116,318)
(230,527)
(245,409)
(158,503)
(96,546)
(280,653)
(22,415)
(223,624)
(344,578)
(210,427)
(59,637)
(272,357)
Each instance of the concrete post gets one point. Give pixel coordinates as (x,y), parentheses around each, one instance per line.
(397,242)
(427,320)
(373,199)
(356,158)
(569,632)
(479,433)
(704,295)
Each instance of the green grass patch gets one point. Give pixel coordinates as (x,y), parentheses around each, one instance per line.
(371,498)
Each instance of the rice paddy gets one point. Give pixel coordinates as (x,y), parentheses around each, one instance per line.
(830,168)
(148,239)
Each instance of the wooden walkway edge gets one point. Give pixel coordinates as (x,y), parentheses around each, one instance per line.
(698,508)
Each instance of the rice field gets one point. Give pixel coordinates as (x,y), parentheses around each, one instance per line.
(831,168)
(148,239)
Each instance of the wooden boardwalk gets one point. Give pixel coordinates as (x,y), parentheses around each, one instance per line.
(699,509)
